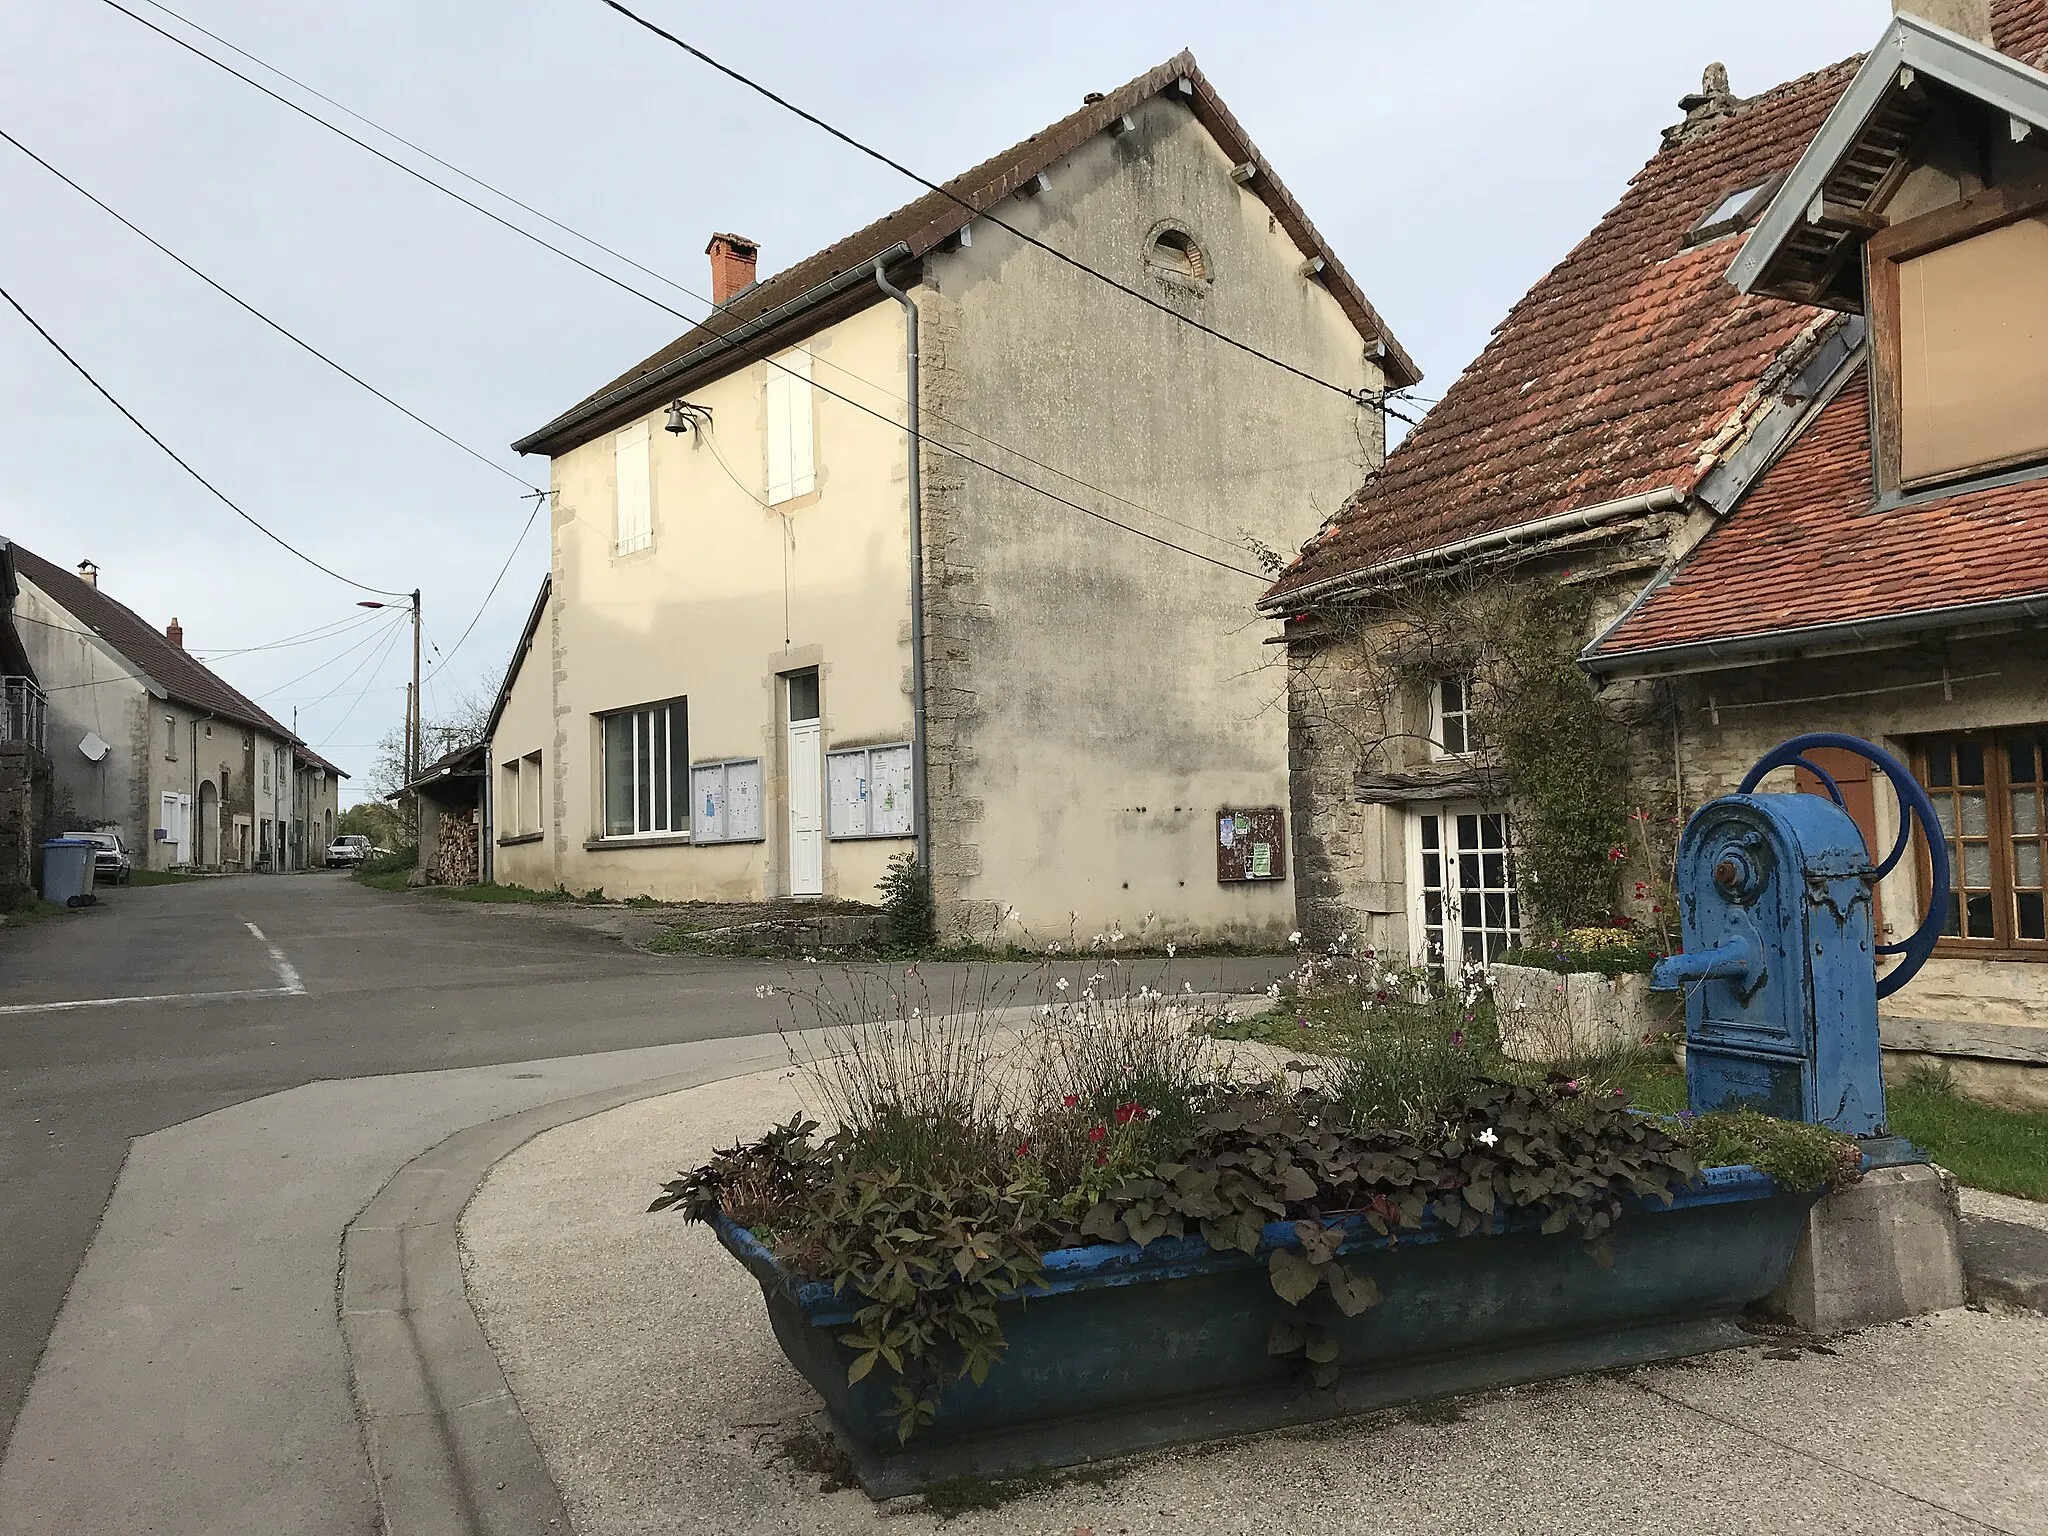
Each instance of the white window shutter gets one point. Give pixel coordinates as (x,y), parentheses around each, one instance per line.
(635,488)
(792,467)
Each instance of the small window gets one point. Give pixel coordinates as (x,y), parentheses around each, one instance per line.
(1174,252)
(1990,793)
(1737,211)
(170,738)
(634,488)
(511,811)
(803,697)
(529,793)
(1450,718)
(645,774)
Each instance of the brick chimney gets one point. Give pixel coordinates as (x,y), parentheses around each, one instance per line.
(1972,18)
(175,633)
(88,573)
(732,265)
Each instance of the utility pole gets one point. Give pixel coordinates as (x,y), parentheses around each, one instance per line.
(413,738)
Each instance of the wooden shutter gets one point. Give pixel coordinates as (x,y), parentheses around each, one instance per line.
(635,488)
(792,467)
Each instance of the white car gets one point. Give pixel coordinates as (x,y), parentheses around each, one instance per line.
(110,860)
(347,851)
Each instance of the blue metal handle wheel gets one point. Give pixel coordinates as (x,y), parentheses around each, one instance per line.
(1914,950)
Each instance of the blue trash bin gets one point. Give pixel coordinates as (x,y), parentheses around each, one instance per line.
(67,871)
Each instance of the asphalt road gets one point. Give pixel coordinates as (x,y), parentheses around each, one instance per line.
(164,1004)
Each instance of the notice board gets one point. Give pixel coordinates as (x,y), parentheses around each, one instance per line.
(1251,845)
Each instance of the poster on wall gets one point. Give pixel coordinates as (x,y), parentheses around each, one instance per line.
(868,791)
(846,793)
(889,807)
(1251,845)
(725,801)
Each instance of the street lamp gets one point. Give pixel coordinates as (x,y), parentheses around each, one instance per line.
(412,694)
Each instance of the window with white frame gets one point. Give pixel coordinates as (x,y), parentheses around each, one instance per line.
(633,488)
(725,801)
(868,792)
(1461,879)
(645,770)
(1450,718)
(792,463)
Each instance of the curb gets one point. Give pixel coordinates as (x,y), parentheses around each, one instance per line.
(2005,1263)
(448,1446)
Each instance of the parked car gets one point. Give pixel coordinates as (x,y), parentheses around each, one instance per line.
(347,851)
(110,860)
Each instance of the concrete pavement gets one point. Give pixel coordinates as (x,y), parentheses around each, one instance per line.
(653,1386)
(196,1380)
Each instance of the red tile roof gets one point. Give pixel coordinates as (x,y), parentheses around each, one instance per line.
(1804,547)
(1629,368)
(1613,374)
(924,222)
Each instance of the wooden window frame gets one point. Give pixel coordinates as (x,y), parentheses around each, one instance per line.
(2002,945)
(1975,215)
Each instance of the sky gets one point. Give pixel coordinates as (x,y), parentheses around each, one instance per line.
(1451,153)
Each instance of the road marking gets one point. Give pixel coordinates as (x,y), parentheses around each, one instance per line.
(287,974)
(292,986)
(154,997)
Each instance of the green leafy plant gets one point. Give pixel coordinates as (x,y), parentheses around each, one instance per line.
(913,912)
(1799,1156)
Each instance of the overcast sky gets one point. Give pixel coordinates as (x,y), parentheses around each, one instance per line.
(1452,152)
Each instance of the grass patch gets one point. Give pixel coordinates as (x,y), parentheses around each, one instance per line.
(964,1495)
(33,911)
(2002,1150)
(389,880)
(492,891)
(158,877)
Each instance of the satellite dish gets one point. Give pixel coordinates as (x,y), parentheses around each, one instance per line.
(93,748)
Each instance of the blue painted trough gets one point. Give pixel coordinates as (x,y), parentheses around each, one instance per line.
(1123,1349)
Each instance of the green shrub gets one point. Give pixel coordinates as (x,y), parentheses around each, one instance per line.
(913,913)
(1799,1156)
(396,862)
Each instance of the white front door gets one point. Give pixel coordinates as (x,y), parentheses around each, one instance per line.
(1461,875)
(806,789)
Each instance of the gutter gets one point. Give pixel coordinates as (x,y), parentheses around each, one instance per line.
(697,356)
(1499,538)
(920,797)
(1705,655)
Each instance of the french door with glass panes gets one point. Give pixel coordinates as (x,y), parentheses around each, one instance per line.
(1461,879)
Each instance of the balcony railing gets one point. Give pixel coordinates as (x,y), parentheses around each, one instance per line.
(22,708)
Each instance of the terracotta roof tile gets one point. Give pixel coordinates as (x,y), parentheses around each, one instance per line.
(1619,372)
(1805,547)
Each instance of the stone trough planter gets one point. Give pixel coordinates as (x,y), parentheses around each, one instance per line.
(1125,1349)
(1550,1015)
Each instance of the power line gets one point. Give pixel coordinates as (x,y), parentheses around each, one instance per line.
(364,691)
(742,348)
(1360,396)
(171,454)
(287,334)
(309,637)
(391,619)
(449,655)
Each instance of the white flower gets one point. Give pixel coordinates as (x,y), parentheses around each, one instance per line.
(1188,987)
(1487,1138)
(1116,938)
(917,1013)
(810,959)
(1294,937)
(1273,991)
(1045,1011)
(1169,951)
(1061,984)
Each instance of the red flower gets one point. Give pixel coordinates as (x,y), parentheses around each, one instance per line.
(1126,1113)
(1097,1132)
(1071,1100)
(1100,1159)
(1023,1149)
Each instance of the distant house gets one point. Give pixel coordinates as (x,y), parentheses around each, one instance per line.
(1778,427)
(144,738)
(722,692)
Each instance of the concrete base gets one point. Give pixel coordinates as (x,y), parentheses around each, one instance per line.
(1886,1247)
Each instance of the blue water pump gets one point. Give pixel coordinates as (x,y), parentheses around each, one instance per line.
(1775,900)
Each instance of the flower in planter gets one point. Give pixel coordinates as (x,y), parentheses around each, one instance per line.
(1294,937)
(1487,1137)
(1457,1037)
(1097,1132)
(1073,1100)
(1126,1113)
(1023,1149)
(1061,984)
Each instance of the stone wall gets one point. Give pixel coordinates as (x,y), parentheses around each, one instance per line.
(27,810)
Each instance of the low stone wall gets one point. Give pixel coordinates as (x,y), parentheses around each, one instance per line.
(1554,1016)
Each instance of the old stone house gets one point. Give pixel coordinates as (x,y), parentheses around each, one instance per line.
(793,628)
(1772,445)
(146,739)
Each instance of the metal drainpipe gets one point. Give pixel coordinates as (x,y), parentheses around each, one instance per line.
(920,800)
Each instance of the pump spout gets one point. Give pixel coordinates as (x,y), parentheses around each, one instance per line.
(1736,957)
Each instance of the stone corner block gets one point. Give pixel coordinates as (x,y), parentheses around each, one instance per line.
(1886,1247)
